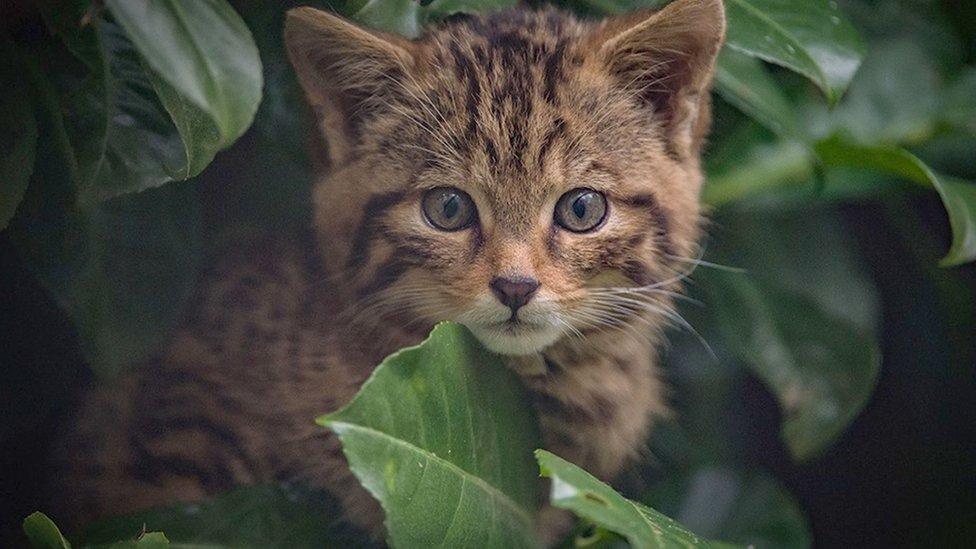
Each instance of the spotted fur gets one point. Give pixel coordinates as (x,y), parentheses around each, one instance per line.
(515,108)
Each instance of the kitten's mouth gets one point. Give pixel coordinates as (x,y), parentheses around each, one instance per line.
(514,326)
(515,336)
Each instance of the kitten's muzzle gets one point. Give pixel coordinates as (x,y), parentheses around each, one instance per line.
(514,292)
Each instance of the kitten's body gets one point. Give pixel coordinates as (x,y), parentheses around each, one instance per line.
(515,108)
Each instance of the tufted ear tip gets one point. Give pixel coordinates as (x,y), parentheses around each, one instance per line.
(667,58)
(345,70)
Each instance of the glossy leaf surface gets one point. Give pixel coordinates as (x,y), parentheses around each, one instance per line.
(744,82)
(574,489)
(205,55)
(811,37)
(442,435)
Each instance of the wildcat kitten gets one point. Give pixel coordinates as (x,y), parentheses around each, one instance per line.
(530,175)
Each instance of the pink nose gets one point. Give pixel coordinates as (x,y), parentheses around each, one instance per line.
(514,292)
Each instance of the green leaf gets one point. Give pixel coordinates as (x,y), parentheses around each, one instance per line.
(43,533)
(259,517)
(204,53)
(18,132)
(121,268)
(893,99)
(749,162)
(958,108)
(811,37)
(744,82)
(958,196)
(120,139)
(821,367)
(442,434)
(409,17)
(574,489)
(750,508)
(129,128)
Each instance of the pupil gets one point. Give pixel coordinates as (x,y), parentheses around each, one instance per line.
(579,207)
(451,206)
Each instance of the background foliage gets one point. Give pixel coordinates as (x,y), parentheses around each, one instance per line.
(841,176)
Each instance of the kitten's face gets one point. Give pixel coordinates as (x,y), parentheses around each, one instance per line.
(527,175)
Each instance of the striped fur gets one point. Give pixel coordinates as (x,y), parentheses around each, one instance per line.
(515,108)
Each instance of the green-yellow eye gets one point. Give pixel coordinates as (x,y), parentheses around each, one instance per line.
(448,209)
(581,210)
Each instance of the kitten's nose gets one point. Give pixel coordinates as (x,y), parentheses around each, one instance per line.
(514,292)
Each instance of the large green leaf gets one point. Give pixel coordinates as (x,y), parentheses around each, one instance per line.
(958,108)
(442,435)
(120,139)
(744,82)
(958,196)
(574,489)
(18,132)
(750,508)
(121,268)
(821,367)
(204,53)
(811,37)
(129,128)
(893,99)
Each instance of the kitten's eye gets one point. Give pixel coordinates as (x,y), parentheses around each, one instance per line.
(581,210)
(448,209)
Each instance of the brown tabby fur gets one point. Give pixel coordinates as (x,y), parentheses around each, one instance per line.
(516,108)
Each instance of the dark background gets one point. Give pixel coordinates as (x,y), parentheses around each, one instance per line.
(902,475)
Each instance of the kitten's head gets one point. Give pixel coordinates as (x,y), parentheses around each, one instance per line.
(525,173)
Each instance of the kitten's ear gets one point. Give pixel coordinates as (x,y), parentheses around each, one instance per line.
(667,57)
(346,71)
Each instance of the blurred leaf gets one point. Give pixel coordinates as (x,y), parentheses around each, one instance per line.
(18,132)
(811,37)
(813,255)
(129,129)
(409,17)
(121,139)
(959,197)
(121,268)
(43,533)
(71,21)
(574,489)
(821,368)
(893,98)
(202,58)
(442,435)
(744,82)
(750,508)
(259,517)
(959,108)
(748,163)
